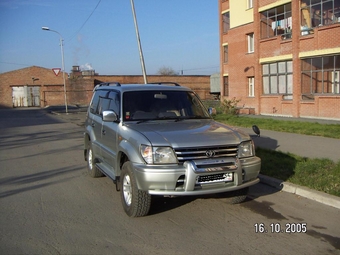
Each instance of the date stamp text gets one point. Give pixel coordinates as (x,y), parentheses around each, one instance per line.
(280,228)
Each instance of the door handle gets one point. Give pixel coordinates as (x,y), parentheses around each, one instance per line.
(104,132)
(93,124)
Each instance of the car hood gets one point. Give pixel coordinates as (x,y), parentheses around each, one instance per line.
(189,133)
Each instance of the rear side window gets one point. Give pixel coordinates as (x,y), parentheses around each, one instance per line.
(95,100)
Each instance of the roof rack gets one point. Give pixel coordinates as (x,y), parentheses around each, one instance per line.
(160,83)
(109,84)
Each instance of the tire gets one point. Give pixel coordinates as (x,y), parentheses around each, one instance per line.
(136,203)
(91,164)
(239,196)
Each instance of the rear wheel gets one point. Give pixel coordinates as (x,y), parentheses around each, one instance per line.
(91,165)
(136,203)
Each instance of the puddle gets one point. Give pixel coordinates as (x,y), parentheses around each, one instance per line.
(264,208)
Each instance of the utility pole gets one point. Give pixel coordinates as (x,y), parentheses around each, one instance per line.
(139,43)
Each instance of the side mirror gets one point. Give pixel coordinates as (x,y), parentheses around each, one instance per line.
(256,130)
(212,111)
(110,116)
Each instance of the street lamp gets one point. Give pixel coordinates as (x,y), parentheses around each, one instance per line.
(62,61)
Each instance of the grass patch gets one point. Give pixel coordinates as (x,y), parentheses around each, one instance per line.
(297,127)
(318,174)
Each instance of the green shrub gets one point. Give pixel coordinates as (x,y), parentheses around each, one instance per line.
(229,106)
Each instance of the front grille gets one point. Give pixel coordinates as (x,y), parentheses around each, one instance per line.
(185,154)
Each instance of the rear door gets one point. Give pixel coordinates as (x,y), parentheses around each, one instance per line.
(109,132)
(95,121)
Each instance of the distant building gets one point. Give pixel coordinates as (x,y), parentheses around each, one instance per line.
(40,87)
(281,58)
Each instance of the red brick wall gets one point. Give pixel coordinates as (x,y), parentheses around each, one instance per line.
(24,77)
(199,83)
(323,38)
(80,88)
(240,66)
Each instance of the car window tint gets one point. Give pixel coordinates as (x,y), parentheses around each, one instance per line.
(103,105)
(114,102)
(95,100)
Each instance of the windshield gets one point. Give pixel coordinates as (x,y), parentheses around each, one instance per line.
(153,105)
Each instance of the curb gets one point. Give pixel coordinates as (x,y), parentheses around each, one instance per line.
(315,195)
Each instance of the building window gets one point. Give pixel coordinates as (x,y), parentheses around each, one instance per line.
(251,87)
(250,4)
(315,13)
(225,54)
(278,78)
(250,43)
(320,75)
(226,22)
(277,22)
(225,86)
(336,82)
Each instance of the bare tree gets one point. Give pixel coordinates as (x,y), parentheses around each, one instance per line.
(166,71)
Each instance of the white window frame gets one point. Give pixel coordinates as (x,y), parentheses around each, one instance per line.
(250,39)
(336,82)
(251,86)
(250,4)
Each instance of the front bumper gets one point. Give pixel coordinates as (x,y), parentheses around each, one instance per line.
(198,177)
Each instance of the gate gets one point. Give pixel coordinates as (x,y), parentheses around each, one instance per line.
(25,96)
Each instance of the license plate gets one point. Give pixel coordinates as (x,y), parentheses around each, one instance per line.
(228,177)
(215,178)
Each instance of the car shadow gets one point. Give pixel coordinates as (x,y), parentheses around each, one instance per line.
(265,142)
(160,204)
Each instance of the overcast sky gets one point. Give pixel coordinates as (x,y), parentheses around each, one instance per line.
(100,34)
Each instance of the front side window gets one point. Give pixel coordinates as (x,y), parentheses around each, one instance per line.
(114,104)
(278,78)
(315,13)
(277,22)
(94,106)
(320,75)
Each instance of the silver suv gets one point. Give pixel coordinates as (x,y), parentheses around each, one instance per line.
(159,139)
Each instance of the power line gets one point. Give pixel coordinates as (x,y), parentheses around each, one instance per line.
(202,68)
(85,21)
(10,63)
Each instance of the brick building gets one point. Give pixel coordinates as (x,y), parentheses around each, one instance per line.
(38,86)
(281,58)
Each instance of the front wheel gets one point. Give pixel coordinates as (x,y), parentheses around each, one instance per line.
(238,196)
(136,203)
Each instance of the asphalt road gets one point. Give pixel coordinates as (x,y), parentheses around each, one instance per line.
(49,205)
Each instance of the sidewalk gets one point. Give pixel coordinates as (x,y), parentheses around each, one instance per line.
(302,145)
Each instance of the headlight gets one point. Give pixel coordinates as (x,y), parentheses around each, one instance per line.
(158,155)
(246,149)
